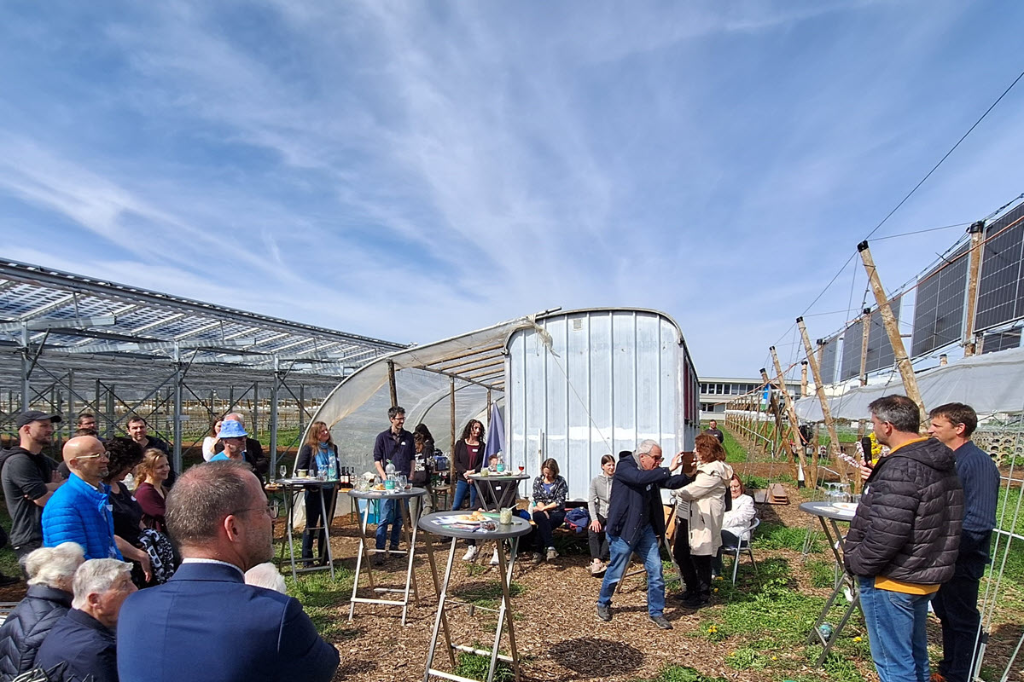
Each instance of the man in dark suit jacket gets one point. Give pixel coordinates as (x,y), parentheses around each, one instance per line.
(636,521)
(205,624)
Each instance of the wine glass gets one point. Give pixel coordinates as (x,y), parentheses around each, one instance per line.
(522,468)
(282,471)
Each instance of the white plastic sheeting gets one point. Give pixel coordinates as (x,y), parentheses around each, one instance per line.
(356,411)
(583,384)
(989,383)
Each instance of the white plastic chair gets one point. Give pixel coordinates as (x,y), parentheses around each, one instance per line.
(740,547)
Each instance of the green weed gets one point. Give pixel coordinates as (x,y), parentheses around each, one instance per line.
(476,667)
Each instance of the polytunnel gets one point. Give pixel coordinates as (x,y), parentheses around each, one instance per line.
(570,385)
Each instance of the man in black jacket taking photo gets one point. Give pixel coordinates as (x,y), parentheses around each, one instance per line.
(904,538)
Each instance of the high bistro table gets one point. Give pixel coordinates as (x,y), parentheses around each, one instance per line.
(830,517)
(490,498)
(445,525)
(408,530)
(289,486)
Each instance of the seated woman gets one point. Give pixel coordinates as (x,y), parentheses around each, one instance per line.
(736,522)
(51,571)
(210,442)
(315,456)
(598,500)
(548,508)
(150,494)
(699,514)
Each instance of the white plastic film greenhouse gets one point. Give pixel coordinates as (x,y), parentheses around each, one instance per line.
(570,385)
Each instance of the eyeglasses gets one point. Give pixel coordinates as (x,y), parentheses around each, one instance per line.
(272,510)
(98,454)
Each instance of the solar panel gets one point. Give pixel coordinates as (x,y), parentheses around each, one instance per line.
(828,360)
(996,341)
(1000,294)
(880,354)
(939,312)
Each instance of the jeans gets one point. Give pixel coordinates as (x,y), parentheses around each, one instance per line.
(896,625)
(598,541)
(546,522)
(390,514)
(462,486)
(648,548)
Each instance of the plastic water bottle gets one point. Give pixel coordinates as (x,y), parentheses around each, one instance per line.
(389,484)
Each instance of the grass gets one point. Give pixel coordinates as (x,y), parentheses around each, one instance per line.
(678,673)
(778,536)
(476,667)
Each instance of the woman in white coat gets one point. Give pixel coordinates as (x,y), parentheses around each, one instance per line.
(736,522)
(699,513)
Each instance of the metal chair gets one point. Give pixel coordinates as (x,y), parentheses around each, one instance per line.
(740,547)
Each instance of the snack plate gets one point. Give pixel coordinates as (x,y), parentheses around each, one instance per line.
(845,506)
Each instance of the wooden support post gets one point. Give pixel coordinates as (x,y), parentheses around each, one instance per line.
(825,411)
(804,391)
(977,232)
(780,432)
(892,328)
(794,421)
(865,335)
(394,386)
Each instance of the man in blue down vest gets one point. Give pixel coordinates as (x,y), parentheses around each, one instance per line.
(205,624)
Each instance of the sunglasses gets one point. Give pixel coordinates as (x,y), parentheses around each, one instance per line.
(97,455)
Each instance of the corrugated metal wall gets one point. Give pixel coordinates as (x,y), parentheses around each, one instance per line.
(611,379)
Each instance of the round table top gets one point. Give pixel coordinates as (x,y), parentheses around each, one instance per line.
(385,495)
(829,510)
(499,477)
(300,482)
(436,523)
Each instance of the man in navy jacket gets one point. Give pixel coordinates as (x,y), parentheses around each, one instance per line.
(956,602)
(205,624)
(636,522)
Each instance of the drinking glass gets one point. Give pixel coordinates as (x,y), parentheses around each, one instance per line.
(521,468)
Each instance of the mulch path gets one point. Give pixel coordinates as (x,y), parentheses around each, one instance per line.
(557,632)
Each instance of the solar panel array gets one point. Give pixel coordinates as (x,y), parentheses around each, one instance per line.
(1000,294)
(939,311)
(828,360)
(880,354)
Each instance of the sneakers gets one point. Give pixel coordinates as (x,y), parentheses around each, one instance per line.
(471,552)
(494,557)
(697,601)
(661,622)
(378,558)
(538,557)
(597,567)
(552,554)
(605,613)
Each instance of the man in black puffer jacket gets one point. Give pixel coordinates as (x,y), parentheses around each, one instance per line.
(904,538)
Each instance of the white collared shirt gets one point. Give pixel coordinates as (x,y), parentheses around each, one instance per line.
(197,560)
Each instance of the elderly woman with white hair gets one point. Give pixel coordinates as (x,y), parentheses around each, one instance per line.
(84,639)
(51,571)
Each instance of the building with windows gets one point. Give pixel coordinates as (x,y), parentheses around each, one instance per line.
(715,392)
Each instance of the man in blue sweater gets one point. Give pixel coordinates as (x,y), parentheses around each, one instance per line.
(956,602)
(80,510)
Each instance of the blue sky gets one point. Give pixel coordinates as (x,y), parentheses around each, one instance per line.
(412,170)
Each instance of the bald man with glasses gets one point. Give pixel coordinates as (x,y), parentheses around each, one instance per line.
(80,510)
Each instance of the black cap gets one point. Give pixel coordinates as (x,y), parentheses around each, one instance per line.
(36,416)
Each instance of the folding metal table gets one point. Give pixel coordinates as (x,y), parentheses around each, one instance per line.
(408,530)
(290,486)
(439,523)
(830,516)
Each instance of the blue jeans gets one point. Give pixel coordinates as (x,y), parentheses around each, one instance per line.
(897,632)
(390,514)
(648,548)
(462,486)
